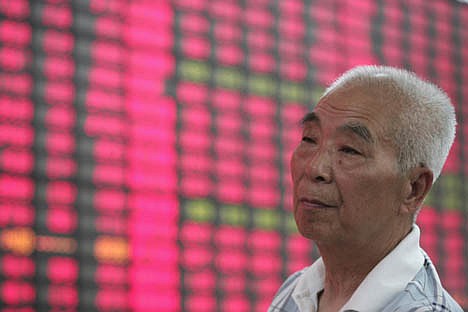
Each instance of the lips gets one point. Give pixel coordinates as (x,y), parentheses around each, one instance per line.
(314,203)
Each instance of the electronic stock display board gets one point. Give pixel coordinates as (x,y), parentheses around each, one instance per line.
(144,145)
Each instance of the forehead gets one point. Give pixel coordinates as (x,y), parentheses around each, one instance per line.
(355,99)
(355,106)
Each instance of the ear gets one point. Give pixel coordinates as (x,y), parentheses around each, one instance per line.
(418,186)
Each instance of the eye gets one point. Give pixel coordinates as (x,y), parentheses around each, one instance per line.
(349,150)
(308,140)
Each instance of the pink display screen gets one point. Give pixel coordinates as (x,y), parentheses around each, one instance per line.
(144,145)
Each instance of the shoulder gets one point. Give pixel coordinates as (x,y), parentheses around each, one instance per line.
(283,300)
(424,293)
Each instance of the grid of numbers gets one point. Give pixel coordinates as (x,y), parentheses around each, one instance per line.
(144,145)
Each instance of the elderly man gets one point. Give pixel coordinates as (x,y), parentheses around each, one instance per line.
(370,152)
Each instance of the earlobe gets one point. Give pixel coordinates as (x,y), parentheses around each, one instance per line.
(418,186)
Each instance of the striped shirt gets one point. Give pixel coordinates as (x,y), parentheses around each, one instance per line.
(419,293)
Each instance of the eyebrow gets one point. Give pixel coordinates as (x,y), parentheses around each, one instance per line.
(359,129)
(310,117)
(356,128)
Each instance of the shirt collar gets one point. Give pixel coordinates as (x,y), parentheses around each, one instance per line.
(387,278)
(308,287)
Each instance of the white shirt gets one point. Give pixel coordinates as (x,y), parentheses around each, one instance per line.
(389,277)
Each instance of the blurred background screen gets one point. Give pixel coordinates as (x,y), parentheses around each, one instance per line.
(144,145)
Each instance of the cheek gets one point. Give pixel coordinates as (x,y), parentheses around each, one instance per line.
(349,163)
(368,194)
(295,166)
(356,188)
(365,187)
(303,223)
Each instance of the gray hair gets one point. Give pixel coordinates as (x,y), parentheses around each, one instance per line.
(424,129)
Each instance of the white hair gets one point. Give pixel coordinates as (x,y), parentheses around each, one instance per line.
(424,129)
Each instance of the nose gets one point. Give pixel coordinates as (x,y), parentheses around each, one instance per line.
(319,167)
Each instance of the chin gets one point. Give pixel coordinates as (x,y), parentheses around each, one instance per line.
(308,233)
(317,234)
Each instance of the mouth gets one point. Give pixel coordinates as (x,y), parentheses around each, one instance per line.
(313,203)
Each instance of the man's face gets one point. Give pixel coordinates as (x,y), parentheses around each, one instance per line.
(347,185)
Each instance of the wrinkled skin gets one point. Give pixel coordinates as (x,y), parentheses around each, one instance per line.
(348,189)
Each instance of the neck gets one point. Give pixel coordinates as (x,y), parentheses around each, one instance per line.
(348,263)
